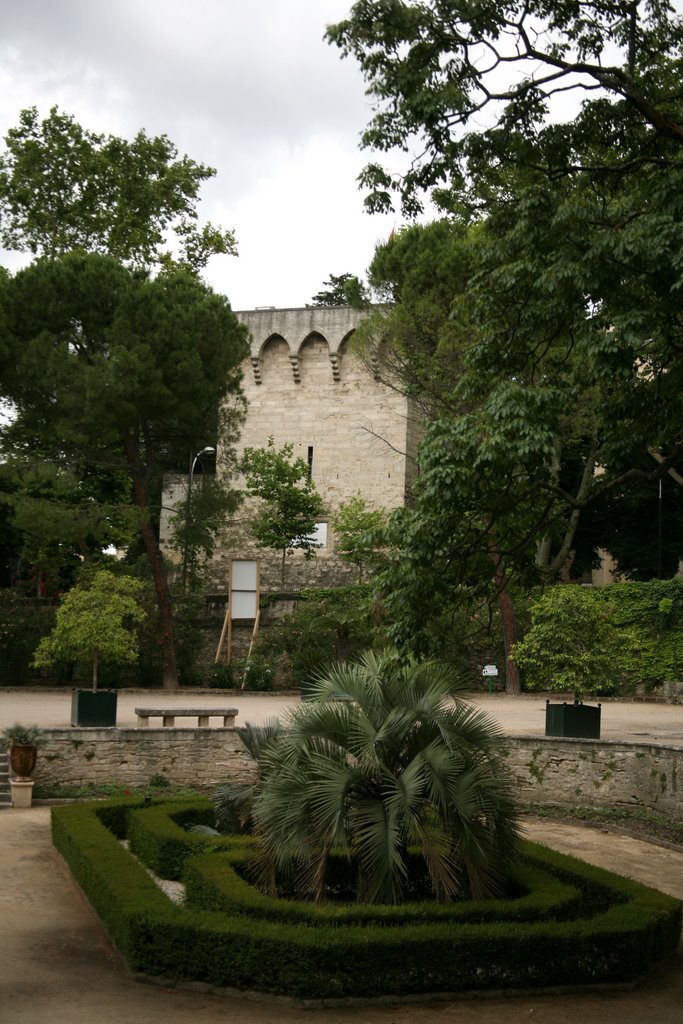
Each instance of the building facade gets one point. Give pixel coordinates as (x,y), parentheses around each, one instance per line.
(305,385)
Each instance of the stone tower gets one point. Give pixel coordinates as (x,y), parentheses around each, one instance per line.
(304,385)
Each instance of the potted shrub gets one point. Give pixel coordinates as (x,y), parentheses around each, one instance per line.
(22,741)
(573,646)
(95,622)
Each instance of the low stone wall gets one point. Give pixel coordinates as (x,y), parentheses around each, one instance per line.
(605,773)
(131,757)
(546,770)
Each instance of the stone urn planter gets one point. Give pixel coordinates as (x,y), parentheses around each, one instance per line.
(23,742)
(22,759)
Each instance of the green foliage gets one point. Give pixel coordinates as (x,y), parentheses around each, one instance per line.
(341,290)
(654,612)
(604,639)
(158,837)
(23,623)
(117,370)
(291,505)
(430,93)
(575,644)
(357,533)
(221,677)
(327,626)
(63,518)
(377,762)
(95,621)
(528,322)
(24,735)
(63,187)
(258,675)
(440,949)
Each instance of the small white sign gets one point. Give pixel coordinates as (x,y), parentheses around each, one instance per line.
(490,670)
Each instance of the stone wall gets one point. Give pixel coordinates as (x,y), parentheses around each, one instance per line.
(130,757)
(546,770)
(598,774)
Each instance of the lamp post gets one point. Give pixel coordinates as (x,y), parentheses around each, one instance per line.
(188,518)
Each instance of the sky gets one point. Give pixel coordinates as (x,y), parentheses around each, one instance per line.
(250,88)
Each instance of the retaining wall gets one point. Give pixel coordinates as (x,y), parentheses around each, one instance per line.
(546,770)
(186,756)
(605,773)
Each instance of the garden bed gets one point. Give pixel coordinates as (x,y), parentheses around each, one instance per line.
(570,925)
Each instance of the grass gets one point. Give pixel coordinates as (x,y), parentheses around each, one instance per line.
(642,823)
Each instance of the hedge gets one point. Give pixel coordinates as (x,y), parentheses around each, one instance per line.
(314,957)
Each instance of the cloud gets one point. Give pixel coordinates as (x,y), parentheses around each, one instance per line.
(251,89)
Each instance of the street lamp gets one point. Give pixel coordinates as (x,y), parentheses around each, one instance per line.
(188,515)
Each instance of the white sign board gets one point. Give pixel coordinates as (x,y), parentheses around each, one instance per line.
(243,589)
(490,670)
(243,604)
(244,575)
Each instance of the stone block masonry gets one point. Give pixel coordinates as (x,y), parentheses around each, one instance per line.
(545,770)
(305,385)
(598,774)
(131,757)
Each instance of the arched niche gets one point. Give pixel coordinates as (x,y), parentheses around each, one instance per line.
(274,361)
(351,365)
(314,360)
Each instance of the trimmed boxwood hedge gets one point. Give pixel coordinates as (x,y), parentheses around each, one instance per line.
(319,954)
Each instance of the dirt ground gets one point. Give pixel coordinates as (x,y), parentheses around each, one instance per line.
(57,965)
(517,716)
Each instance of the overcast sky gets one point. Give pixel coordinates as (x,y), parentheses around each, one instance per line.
(250,88)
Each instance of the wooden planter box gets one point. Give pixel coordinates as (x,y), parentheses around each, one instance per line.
(578,721)
(93,709)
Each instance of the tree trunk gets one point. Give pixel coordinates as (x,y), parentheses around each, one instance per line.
(170,679)
(508,622)
(507,614)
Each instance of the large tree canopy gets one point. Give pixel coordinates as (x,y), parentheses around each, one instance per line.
(113,369)
(548,352)
(63,188)
(439,70)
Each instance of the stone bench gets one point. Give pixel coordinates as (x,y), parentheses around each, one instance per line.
(169,715)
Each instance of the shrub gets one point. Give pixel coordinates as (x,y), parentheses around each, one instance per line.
(23,624)
(329,625)
(603,639)
(633,930)
(384,757)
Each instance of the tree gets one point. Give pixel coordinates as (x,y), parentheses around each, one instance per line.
(400,762)
(197,521)
(575,645)
(341,290)
(116,370)
(60,521)
(435,69)
(356,530)
(291,506)
(564,345)
(639,524)
(63,187)
(95,622)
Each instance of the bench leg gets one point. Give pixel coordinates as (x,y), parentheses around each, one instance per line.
(229,721)
(168,720)
(203,721)
(143,721)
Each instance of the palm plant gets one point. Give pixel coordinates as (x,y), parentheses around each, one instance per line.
(386,757)
(233,801)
